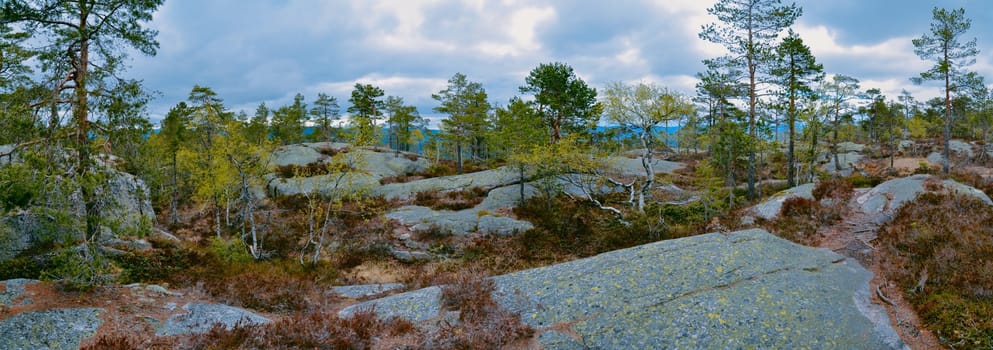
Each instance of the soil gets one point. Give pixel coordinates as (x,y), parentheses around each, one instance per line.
(853,237)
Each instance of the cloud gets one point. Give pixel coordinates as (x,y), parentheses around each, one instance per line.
(270,50)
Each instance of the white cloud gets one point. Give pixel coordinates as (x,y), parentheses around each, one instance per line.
(690,16)
(894,54)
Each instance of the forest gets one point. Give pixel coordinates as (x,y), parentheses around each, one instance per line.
(233,217)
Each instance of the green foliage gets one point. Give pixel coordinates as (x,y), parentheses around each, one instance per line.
(565,104)
(19,186)
(288,121)
(23,266)
(82,268)
(919,127)
(711,185)
(325,113)
(516,128)
(862,181)
(367,108)
(404,121)
(466,105)
(232,251)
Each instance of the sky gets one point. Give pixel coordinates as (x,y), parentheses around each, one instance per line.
(253,51)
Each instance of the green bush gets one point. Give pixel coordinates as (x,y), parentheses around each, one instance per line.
(78,269)
(230,250)
(158,265)
(861,181)
(18,187)
(22,267)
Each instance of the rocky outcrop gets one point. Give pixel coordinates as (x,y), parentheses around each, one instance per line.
(849,147)
(365,290)
(846,161)
(961,148)
(124,205)
(883,201)
(747,289)
(49,329)
(769,209)
(459,223)
(498,177)
(371,165)
(14,293)
(419,305)
(633,167)
(129,212)
(200,317)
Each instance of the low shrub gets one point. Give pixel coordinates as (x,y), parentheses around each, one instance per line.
(311,330)
(157,265)
(939,249)
(81,269)
(800,218)
(451,200)
(861,181)
(833,189)
(24,266)
(231,250)
(483,324)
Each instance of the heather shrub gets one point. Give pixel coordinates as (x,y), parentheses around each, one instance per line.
(939,249)
(834,189)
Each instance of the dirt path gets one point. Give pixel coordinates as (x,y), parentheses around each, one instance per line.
(853,237)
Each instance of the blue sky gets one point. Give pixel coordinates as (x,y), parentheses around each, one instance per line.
(252,51)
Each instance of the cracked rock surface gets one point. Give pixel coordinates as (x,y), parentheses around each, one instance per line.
(747,289)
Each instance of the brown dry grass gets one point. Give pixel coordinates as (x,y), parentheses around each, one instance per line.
(939,250)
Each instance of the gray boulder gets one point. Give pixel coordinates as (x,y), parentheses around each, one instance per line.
(958,149)
(325,185)
(883,201)
(371,165)
(418,305)
(633,167)
(13,236)
(906,145)
(130,210)
(769,209)
(498,177)
(125,209)
(365,290)
(298,155)
(200,317)
(49,329)
(961,148)
(501,225)
(385,163)
(850,147)
(747,289)
(459,223)
(936,158)
(14,292)
(846,160)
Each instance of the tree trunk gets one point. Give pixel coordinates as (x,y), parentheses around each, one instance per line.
(174,202)
(945,168)
(217,217)
(791,172)
(834,142)
(458,155)
(647,157)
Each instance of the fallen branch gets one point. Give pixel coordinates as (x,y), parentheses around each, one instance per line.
(879,292)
